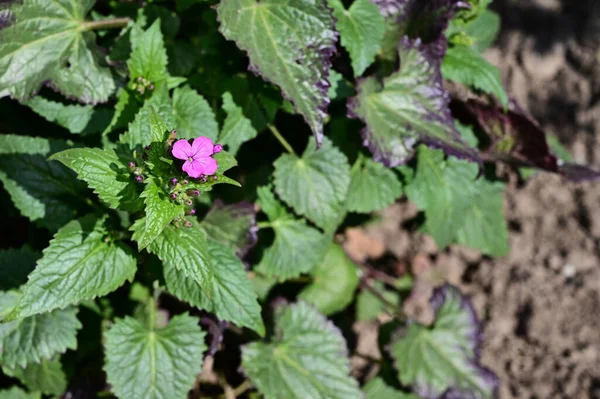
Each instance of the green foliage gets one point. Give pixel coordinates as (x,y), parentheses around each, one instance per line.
(458,206)
(81,263)
(207,275)
(43,192)
(372,186)
(316,184)
(465,65)
(335,280)
(192,115)
(46,376)
(237,129)
(105,173)
(149,361)
(361,29)
(305,349)
(283,260)
(34,50)
(116,230)
(276,34)
(443,357)
(377,389)
(32,339)
(408,106)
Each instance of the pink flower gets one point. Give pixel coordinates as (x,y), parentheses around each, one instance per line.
(198,160)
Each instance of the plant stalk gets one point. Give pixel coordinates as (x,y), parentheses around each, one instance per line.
(283,141)
(105,24)
(393,307)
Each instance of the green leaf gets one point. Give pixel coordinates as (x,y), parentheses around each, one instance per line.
(15,265)
(160,212)
(443,360)
(378,389)
(315,185)
(290,43)
(369,306)
(125,110)
(483,30)
(457,206)
(372,187)
(43,191)
(83,78)
(81,263)
(192,115)
(465,65)
(31,339)
(46,376)
(50,41)
(148,58)
(307,358)
(186,249)
(139,133)
(74,118)
(297,248)
(484,226)
(335,280)
(237,129)
(154,363)
(105,173)
(361,28)
(231,296)
(410,106)
(18,393)
(467,133)
(233,225)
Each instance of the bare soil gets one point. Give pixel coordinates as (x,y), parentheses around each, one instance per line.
(540,304)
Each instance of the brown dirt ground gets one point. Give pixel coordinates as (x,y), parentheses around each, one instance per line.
(540,304)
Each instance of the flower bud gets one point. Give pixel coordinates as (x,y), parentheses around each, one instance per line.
(191,212)
(173,196)
(193,192)
(188,202)
(185,182)
(173,181)
(217,148)
(139,79)
(188,223)
(139,178)
(131,165)
(215,177)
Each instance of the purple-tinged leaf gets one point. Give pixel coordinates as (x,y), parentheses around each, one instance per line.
(443,361)
(289,43)
(516,138)
(410,106)
(233,225)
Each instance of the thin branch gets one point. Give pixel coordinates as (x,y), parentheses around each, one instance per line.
(105,24)
(392,306)
(283,141)
(370,271)
(243,387)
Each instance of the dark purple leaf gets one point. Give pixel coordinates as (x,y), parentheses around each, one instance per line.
(516,138)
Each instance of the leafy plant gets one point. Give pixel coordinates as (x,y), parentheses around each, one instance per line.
(173,221)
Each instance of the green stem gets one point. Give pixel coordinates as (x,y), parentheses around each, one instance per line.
(393,307)
(105,24)
(283,141)
(152,313)
(264,225)
(243,387)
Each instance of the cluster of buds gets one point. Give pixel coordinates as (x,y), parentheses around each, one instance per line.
(181,221)
(142,84)
(136,171)
(181,194)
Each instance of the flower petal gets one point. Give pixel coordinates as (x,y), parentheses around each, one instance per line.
(194,169)
(182,149)
(202,147)
(209,165)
